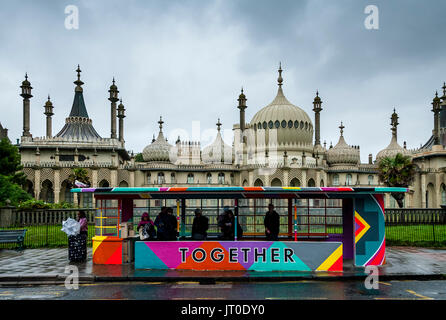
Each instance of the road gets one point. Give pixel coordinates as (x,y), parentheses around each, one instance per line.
(291,290)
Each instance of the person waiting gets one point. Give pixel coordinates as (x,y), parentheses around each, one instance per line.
(226,223)
(200,226)
(166,226)
(272,223)
(146,228)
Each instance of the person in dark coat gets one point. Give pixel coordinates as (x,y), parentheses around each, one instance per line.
(166,226)
(272,224)
(200,226)
(226,223)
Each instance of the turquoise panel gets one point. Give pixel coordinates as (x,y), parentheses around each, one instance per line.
(145,258)
(297,265)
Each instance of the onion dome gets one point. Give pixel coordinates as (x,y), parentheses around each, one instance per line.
(159,149)
(218,151)
(393,148)
(293,125)
(342,153)
(26,82)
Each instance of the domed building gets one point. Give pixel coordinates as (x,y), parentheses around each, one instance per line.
(283,126)
(279,146)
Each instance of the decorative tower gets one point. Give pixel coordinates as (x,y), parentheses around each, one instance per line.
(242,106)
(317,108)
(49,113)
(121,117)
(436,108)
(113,99)
(394,123)
(26,95)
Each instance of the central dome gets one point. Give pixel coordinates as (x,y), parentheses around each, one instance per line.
(293,125)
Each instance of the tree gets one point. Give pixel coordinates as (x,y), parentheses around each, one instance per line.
(10,165)
(11,191)
(139,158)
(79,174)
(397,171)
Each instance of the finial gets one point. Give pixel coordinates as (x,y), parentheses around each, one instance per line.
(317,93)
(161,123)
(342,129)
(280,79)
(26,75)
(113,80)
(78,82)
(48,97)
(153,138)
(218,125)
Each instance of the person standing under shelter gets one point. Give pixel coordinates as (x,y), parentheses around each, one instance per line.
(200,226)
(272,223)
(166,226)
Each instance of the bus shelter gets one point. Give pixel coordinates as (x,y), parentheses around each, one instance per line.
(320,227)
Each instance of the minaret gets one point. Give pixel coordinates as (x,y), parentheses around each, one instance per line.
(317,108)
(242,106)
(49,113)
(113,99)
(26,95)
(121,117)
(394,123)
(443,108)
(436,108)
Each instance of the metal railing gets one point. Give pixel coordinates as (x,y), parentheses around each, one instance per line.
(44,226)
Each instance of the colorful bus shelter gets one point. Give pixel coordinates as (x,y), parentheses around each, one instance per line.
(320,228)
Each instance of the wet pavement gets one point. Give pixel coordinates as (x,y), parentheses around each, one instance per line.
(290,290)
(50,265)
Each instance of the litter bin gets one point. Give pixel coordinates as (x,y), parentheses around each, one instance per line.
(77,248)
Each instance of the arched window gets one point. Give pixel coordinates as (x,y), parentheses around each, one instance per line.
(190,178)
(311,183)
(221,178)
(370,179)
(172,178)
(336,180)
(295,182)
(258,183)
(161,179)
(348,180)
(209,178)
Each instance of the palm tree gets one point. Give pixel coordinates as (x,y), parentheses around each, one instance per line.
(79,174)
(397,171)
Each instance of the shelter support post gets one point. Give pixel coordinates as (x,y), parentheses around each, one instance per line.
(348,236)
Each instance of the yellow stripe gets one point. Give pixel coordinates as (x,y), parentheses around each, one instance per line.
(97,242)
(419,295)
(291,188)
(366,227)
(330,260)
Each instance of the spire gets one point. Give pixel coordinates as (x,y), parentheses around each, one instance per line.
(78,82)
(280,79)
(342,129)
(242,100)
(394,123)
(78,109)
(161,124)
(218,125)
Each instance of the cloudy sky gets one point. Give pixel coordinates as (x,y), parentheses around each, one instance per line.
(186,61)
